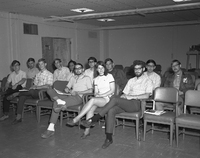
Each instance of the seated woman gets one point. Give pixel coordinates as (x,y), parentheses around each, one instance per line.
(104,87)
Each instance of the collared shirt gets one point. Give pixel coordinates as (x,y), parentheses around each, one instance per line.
(16,77)
(103,83)
(62,75)
(80,83)
(43,78)
(31,73)
(138,86)
(155,78)
(90,73)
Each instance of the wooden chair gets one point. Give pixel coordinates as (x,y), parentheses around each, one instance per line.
(168,95)
(186,120)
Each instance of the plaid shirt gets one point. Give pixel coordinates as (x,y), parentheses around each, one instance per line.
(44,78)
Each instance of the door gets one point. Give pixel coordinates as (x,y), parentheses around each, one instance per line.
(56,48)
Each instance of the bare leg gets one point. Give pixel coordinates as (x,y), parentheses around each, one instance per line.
(98,102)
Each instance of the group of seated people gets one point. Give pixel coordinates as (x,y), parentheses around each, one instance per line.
(101,79)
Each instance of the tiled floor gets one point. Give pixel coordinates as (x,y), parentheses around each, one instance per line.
(23,141)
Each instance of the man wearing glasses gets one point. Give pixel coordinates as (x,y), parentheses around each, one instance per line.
(91,71)
(179,80)
(156,79)
(139,87)
(78,85)
(17,80)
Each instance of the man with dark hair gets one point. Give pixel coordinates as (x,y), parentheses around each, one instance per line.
(32,70)
(61,73)
(91,71)
(179,80)
(78,85)
(139,87)
(17,80)
(156,79)
(119,76)
(43,80)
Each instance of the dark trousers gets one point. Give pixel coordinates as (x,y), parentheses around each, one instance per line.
(23,96)
(115,106)
(6,103)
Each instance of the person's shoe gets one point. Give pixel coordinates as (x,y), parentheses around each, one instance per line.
(84,136)
(4,117)
(59,108)
(47,134)
(12,96)
(70,122)
(87,123)
(16,121)
(107,143)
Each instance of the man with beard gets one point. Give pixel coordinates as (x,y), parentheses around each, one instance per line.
(139,87)
(78,85)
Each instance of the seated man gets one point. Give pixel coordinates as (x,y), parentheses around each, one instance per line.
(78,85)
(119,76)
(139,87)
(17,79)
(61,73)
(91,72)
(32,70)
(156,79)
(43,80)
(179,80)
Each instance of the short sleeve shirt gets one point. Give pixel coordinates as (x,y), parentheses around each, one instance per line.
(61,75)
(80,83)
(103,83)
(138,86)
(43,78)
(15,78)
(155,78)
(90,73)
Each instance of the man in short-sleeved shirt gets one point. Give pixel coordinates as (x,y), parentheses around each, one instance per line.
(61,73)
(32,70)
(78,85)
(43,80)
(139,87)
(17,80)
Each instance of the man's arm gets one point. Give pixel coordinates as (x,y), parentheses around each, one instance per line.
(141,96)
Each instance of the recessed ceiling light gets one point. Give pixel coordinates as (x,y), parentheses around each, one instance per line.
(181,0)
(106,20)
(82,10)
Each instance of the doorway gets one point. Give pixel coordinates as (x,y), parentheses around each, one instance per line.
(56,48)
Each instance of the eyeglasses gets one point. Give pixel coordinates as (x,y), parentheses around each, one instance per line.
(175,65)
(91,62)
(16,65)
(137,68)
(78,68)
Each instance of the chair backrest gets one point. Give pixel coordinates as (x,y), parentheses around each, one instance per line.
(192,98)
(198,87)
(60,85)
(116,89)
(119,67)
(166,94)
(197,81)
(3,83)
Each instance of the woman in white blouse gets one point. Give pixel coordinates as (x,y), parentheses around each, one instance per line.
(104,88)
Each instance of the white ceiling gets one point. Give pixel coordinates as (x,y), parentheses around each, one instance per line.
(125,12)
